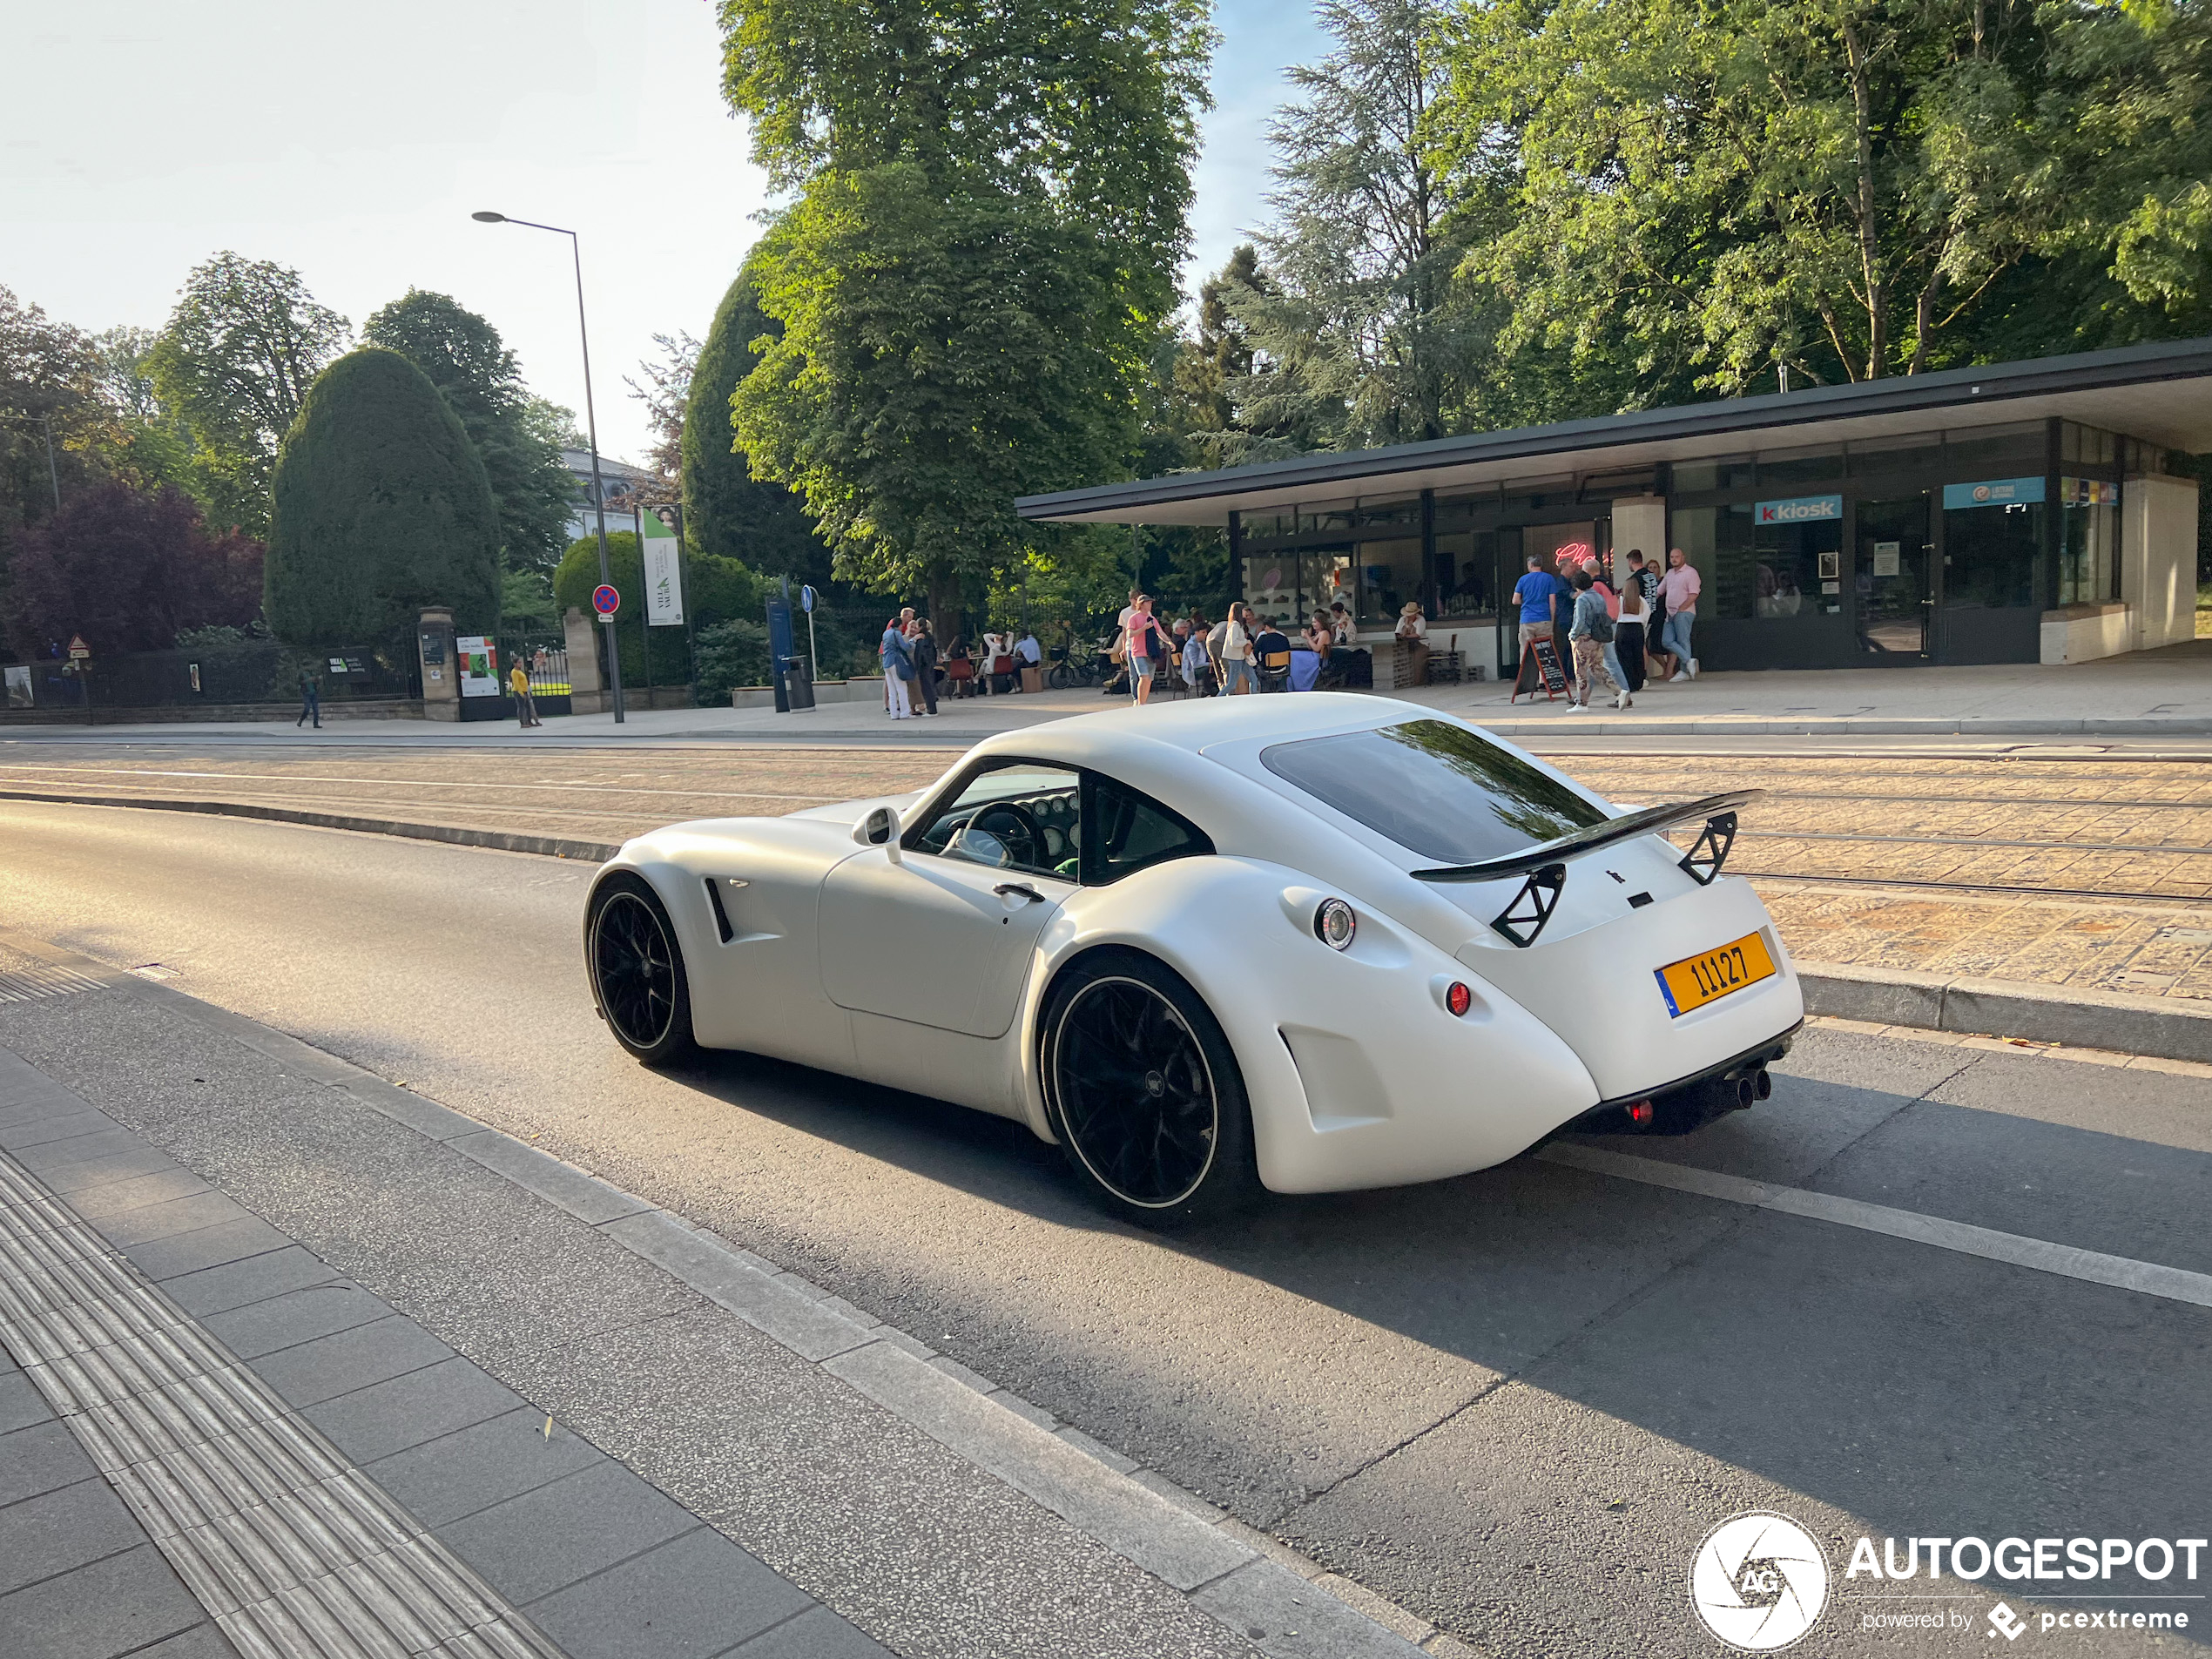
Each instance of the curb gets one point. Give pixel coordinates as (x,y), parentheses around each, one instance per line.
(2163,1027)
(2073,1015)
(1286,1605)
(551,846)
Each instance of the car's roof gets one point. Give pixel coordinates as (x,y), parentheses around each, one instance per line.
(1197,724)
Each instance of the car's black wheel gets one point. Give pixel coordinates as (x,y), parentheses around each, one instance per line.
(1144,1093)
(637,971)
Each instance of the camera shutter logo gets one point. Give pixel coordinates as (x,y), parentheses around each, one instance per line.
(1759,1582)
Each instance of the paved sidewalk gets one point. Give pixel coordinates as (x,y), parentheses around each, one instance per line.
(2166,693)
(540,1379)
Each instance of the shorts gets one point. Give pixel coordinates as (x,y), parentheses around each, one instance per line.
(1142,666)
(1534,631)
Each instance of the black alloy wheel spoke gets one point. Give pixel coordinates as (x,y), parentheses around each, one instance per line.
(1134,1094)
(636,969)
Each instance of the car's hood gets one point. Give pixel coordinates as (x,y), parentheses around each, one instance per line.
(852,812)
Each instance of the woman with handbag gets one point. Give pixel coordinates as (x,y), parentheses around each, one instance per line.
(897,670)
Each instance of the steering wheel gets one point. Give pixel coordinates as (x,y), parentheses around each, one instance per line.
(1018,827)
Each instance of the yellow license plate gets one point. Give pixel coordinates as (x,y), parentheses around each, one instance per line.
(1696,981)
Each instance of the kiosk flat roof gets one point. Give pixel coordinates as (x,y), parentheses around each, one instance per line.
(2161,393)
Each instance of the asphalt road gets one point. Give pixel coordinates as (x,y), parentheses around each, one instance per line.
(1513,1402)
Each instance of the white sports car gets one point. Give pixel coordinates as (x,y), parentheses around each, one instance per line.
(1307,943)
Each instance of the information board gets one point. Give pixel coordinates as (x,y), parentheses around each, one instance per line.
(1539,670)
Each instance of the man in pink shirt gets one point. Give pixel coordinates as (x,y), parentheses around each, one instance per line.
(1678,588)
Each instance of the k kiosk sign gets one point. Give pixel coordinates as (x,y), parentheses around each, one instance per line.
(1797,510)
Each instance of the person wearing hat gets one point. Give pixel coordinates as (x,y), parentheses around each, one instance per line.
(1413,645)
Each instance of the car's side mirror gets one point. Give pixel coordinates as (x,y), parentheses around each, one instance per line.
(880,828)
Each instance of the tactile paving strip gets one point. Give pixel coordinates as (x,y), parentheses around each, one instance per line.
(30,983)
(293,1552)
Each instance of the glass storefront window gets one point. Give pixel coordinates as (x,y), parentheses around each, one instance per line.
(1385,574)
(2078,442)
(1992,555)
(1975,451)
(1467,567)
(1800,466)
(1723,472)
(1764,572)
(2088,542)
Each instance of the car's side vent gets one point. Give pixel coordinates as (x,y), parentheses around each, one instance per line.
(721,916)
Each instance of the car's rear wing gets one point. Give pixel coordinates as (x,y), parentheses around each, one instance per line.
(1544,866)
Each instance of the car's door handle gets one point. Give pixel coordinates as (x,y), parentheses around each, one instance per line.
(1022,887)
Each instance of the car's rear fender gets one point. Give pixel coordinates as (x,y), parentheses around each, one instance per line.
(1356,1072)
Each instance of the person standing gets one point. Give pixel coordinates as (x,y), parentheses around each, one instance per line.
(1629,630)
(1235,655)
(518,681)
(1603,589)
(1413,643)
(1194,658)
(1645,574)
(1589,632)
(1679,587)
(310,699)
(1537,593)
(897,670)
(922,649)
(1148,648)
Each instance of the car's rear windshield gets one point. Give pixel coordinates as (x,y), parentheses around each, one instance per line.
(1436,789)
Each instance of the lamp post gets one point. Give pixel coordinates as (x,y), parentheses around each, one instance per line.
(591,429)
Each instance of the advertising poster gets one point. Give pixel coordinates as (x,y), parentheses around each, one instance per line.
(19,685)
(479,665)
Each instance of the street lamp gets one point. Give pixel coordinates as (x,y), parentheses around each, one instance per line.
(591,429)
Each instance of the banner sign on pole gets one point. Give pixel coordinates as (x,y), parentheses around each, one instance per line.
(664,574)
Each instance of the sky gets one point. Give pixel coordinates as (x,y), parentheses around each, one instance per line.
(138,136)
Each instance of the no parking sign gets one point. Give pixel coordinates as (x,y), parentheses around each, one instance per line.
(605,600)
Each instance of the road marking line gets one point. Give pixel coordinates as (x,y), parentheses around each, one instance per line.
(2094,1267)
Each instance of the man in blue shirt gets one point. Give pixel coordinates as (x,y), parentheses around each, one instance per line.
(1537,593)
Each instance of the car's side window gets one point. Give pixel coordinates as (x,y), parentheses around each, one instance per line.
(1018,815)
(1127,830)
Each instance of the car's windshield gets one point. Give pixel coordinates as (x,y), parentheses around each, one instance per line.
(1438,790)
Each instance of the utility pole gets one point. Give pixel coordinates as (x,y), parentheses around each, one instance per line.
(591,431)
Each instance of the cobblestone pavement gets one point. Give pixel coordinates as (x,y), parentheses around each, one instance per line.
(2092,872)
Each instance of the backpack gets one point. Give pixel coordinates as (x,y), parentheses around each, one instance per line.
(1600,625)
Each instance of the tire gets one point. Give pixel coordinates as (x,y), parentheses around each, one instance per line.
(1144,1091)
(637,969)
(1060,676)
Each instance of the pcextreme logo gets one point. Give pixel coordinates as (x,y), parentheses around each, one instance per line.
(1759,1582)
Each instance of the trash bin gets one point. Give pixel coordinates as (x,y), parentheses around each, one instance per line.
(798,684)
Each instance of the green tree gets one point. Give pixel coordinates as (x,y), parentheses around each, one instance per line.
(469,364)
(381,507)
(990,205)
(728,513)
(1361,298)
(233,367)
(1677,195)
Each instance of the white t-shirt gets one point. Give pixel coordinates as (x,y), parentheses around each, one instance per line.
(1412,628)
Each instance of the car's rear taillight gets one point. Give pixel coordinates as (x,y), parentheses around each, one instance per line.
(1458,999)
(1640,1113)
